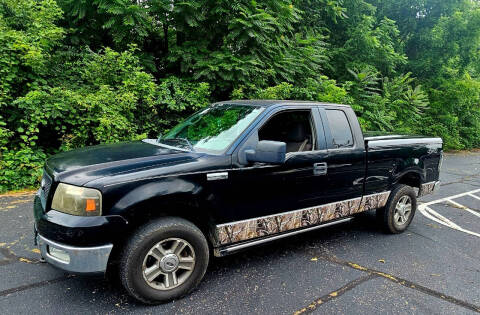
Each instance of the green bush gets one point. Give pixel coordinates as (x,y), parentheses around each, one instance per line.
(456,109)
(115,94)
(320,89)
(20,168)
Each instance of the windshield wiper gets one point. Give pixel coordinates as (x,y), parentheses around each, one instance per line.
(189,144)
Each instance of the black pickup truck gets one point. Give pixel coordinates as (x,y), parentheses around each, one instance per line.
(234,175)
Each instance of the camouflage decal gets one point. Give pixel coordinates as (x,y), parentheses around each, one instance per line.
(248,229)
(374,201)
(426,189)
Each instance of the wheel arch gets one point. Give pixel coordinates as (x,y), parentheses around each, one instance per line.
(412,178)
(167,197)
(171,198)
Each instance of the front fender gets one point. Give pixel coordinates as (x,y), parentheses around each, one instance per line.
(153,196)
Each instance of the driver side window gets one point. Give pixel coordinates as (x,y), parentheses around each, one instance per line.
(294,127)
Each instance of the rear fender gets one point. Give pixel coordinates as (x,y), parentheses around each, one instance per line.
(413,176)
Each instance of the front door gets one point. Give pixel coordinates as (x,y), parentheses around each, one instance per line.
(267,199)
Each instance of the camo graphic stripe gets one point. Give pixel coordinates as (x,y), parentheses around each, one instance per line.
(426,189)
(229,233)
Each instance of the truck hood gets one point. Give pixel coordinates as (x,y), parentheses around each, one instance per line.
(83,165)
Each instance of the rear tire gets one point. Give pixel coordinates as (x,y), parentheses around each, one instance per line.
(164,260)
(399,211)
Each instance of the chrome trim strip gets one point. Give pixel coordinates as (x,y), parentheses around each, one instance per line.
(232,248)
(377,144)
(217,176)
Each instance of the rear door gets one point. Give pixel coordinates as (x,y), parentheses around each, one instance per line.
(346,153)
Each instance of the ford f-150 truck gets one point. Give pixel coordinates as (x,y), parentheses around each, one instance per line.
(234,175)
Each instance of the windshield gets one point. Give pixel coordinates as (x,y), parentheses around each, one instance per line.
(213,129)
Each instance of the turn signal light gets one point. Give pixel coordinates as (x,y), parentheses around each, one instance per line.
(90,205)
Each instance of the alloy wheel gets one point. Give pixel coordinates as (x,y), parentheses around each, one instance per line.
(403,210)
(168,264)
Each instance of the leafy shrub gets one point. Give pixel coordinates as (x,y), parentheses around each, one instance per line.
(28,34)
(116,101)
(456,107)
(320,89)
(177,98)
(20,168)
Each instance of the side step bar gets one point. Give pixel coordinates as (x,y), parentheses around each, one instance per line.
(230,249)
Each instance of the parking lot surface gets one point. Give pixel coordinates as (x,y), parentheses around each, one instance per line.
(434,267)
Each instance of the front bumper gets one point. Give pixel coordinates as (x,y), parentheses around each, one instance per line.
(82,260)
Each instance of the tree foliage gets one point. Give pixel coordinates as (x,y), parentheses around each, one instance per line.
(78,72)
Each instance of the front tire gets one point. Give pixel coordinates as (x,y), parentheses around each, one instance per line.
(399,211)
(164,260)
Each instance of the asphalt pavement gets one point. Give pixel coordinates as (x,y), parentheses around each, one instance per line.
(352,268)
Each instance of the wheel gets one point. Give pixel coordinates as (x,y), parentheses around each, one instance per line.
(164,260)
(398,213)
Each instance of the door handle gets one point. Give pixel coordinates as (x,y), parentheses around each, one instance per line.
(320,168)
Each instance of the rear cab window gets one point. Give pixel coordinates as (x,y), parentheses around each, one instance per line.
(340,129)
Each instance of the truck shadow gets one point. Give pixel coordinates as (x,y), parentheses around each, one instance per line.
(233,268)
(362,225)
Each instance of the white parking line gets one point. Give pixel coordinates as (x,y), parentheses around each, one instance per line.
(456,204)
(435,216)
(452,197)
(474,196)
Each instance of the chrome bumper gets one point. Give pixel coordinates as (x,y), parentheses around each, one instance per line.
(75,259)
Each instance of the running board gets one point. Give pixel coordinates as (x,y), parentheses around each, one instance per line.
(227,250)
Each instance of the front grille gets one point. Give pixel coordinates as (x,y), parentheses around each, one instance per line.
(46,183)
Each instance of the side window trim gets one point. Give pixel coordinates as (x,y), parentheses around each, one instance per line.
(319,123)
(319,132)
(328,132)
(326,128)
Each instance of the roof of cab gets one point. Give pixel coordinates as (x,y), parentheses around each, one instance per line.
(268,103)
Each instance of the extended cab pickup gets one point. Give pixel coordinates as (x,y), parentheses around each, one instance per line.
(234,175)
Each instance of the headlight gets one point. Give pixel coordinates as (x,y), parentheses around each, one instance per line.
(77,200)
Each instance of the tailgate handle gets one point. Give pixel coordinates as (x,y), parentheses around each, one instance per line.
(320,168)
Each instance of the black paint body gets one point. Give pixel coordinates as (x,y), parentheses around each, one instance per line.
(139,180)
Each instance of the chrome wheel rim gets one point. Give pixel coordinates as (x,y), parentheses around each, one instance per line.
(168,264)
(403,210)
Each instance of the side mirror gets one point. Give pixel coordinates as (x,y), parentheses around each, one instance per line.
(268,152)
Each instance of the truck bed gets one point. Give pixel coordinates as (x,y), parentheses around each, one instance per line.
(397,155)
